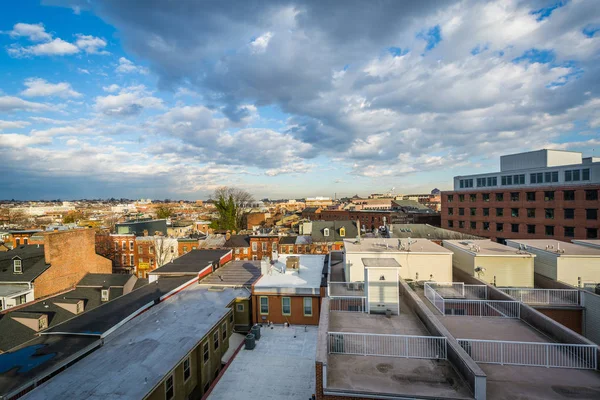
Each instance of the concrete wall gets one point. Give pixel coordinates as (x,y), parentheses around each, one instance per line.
(507,271)
(71,255)
(591,327)
(570,269)
(438,265)
(382,294)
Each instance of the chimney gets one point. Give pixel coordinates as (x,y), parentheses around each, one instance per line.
(145,232)
(228,235)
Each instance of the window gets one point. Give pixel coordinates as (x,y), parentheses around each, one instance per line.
(514,196)
(140,250)
(450,198)
(25,240)
(549,230)
(264,246)
(591,213)
(499,227)
(531,229)
(450,211)
(274,246)
(123,245)
(530,196)
(507,180)
(591,233)
(286,306)
(169,388)
(481,182)
(21,300)
(42,323)
(187,371)
(326,232)
(499,212)
(568,176)
(123,260)
(216,339)
(591,194)
(514,228)
(585,174)
(514,212)
(237,250)
(461,197)
(205,352)
(224,331)
(486,212)
(17,266)
(461,224)
(152,262)
(466,183)
(18,241)
(131,259)
(264,305)
(450,224)
(254,246)
(116,245)
(486,226)
(231,319)
(461,211)
(569,213)
(549,213)
(485,197)
(185,249)
(245,250)
(104,294)
(473,211)
(342,232)
(131,245)
(239,307)
(151,249)
(576,176)
(473,197)
(499,196)
(531,213)
(308,306)
(473,225)
(569,231)
(549,195)
(536,178)
(569,195)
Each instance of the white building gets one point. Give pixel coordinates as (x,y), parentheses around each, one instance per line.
(419,259)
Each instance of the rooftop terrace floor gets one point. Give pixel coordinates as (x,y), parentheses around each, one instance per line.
(281,366)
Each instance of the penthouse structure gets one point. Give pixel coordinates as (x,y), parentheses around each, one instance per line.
(543,194)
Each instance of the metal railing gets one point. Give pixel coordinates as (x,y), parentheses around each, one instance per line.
(448,289)
(544,296)
(549,355)
(482,308)
(475,291)
(347,304)
(346,289)
(435,298)
(370,344)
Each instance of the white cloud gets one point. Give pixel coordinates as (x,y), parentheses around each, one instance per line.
(38,87)
(83,71)
(260,44)
(34,32)
(56,47)
(13,124)
(130,101)
(111,88)
(11,103)
(15,140)
(128,67)
(91,44)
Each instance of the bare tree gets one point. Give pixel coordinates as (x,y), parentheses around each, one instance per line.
(165,250)
(240,198)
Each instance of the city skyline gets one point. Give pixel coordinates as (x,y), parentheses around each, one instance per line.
(287,100)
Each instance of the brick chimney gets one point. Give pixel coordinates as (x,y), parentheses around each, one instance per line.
(228,235)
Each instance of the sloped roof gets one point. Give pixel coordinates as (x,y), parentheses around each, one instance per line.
(234,273)
(33,263)
(105,280)
(238,241)
(318,230)
(191,263)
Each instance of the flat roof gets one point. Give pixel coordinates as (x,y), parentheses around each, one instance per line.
(387,245)
(380,263)
(234,273)
(486,248)
(426,231)
(566,249)
(308,276)
(144,350)
(11,290)
(191,263)
(281,366)
(590,243)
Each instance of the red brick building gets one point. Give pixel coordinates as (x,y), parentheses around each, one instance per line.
(263,246)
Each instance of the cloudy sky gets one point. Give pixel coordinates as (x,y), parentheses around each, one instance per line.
(289,98)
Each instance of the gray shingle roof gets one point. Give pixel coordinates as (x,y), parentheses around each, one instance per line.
(104,280)
(234,273)
(318,231)
(32,264)
(191,263)
(238,241)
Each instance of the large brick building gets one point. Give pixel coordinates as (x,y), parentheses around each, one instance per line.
(536,195)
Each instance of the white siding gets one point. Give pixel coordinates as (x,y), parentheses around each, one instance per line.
(383,293)
(545,263)
(439,266)
(572,268)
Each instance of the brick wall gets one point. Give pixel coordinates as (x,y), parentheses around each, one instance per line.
(71,255)
(259,240)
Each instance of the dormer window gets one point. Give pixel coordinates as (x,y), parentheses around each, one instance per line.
(342,232)
(42,323)
(17,266)
(326,232)
(104,294)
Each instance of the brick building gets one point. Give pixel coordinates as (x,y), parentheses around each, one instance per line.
(536,195)
(22,237)
(263,246)
(120,249)
(240,244)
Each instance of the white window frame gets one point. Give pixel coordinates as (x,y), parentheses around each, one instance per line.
(189,369)
(102,294)
(217,342)
(304,305)
(131,260)
(260,305)
(343,232)
(131,245)
(254,246)
(326,232)
(282,306)
(274,246)
(123,245)
(171,377)
(17,266)
(123,260)
(264,246)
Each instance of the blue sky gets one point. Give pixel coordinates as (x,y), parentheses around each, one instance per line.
(110,99)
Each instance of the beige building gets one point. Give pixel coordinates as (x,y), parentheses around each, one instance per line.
(492,262)
(562,261)
(419,259)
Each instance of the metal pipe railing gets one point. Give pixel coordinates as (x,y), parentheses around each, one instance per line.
(347,304)
(544,296)
(549,355)
(403,346)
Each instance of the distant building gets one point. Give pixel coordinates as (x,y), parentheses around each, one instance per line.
(240,244)
(142,228)
(263,246)
(544,194)
(318,201)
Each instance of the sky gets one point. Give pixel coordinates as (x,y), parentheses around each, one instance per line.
(287,99)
